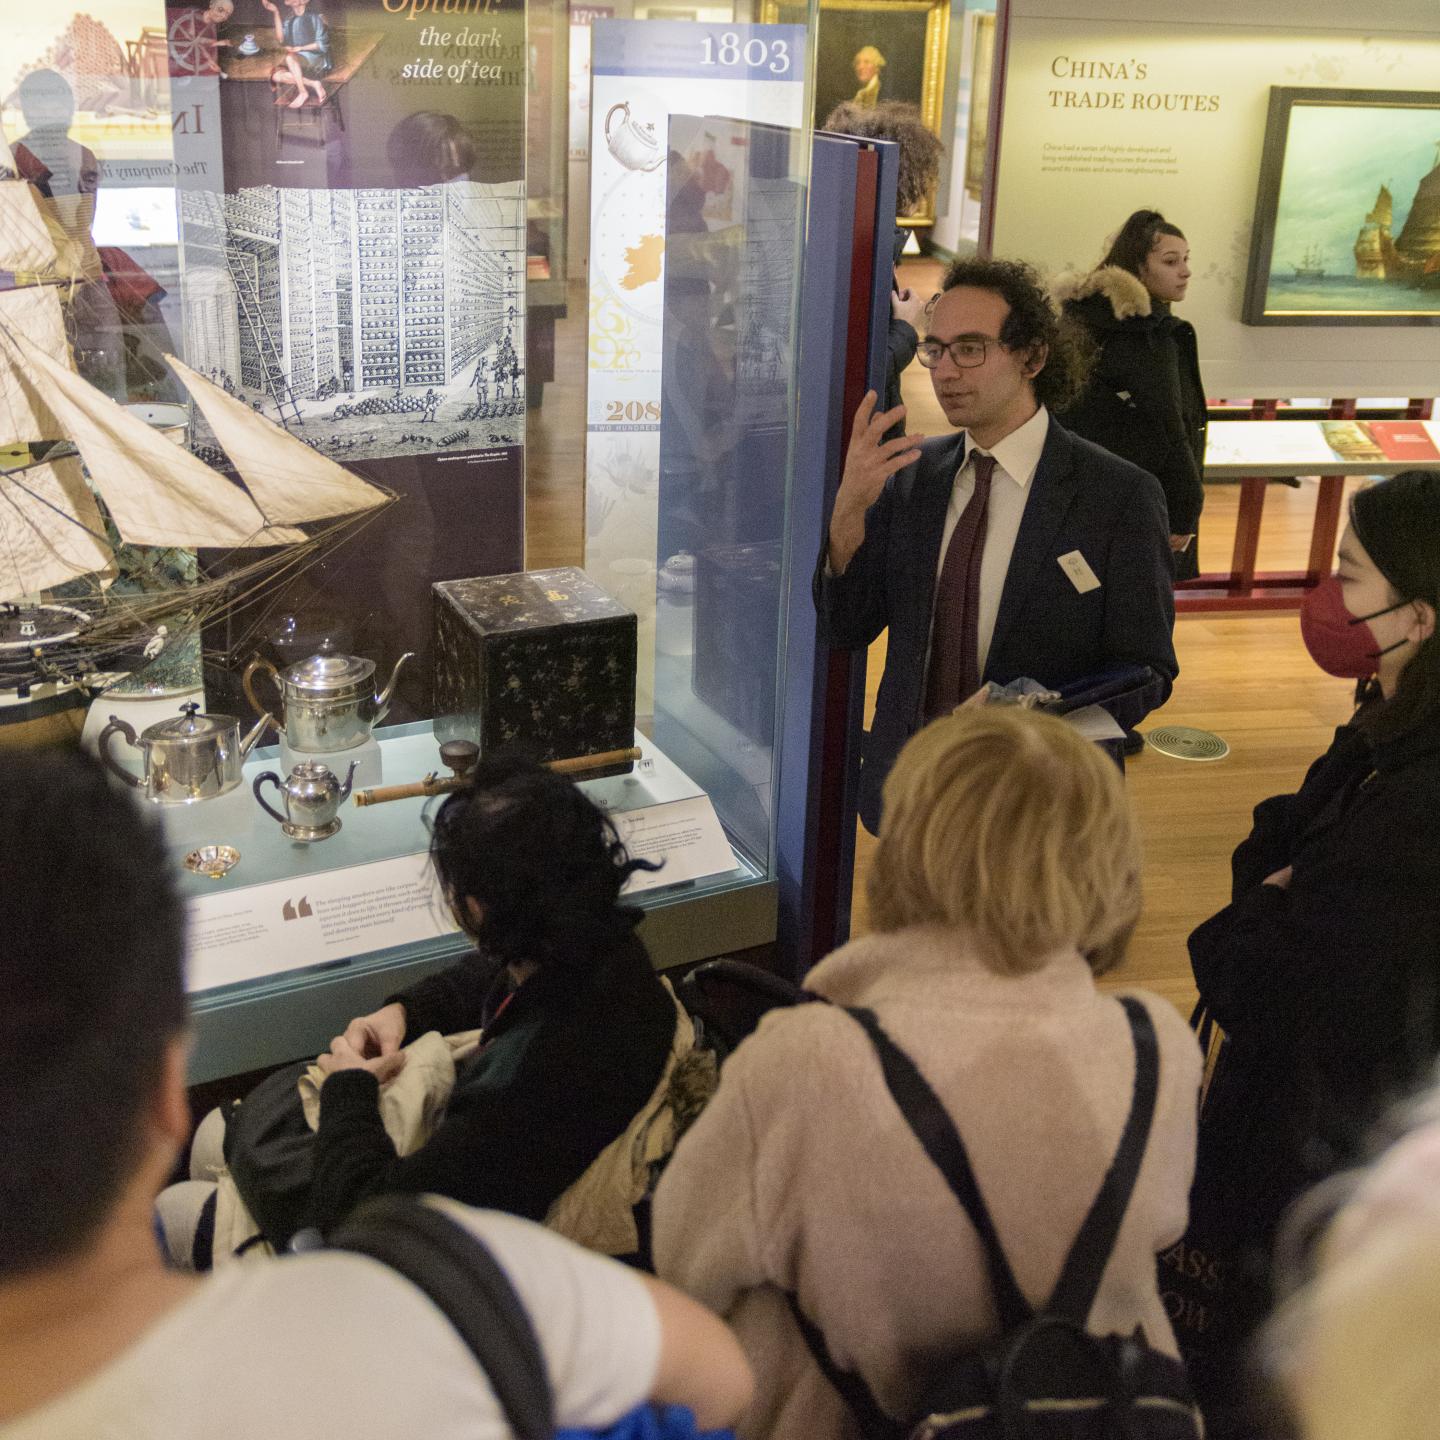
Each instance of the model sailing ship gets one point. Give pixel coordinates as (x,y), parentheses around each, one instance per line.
(79,473)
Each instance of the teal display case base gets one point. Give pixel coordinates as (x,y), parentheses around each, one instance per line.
(271,1018)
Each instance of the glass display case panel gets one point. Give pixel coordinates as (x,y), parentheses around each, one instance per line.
(696,237)
(299,932)
(730,321)
(344,257)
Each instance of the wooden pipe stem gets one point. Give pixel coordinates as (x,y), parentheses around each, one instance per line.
(430,785)
(433,784)
(578,764)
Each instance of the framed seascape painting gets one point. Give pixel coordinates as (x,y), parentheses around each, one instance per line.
(873,50)
(1347,218)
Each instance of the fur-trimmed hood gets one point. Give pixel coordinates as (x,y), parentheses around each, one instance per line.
(1126,297)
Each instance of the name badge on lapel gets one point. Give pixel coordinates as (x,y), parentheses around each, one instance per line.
(1079,573)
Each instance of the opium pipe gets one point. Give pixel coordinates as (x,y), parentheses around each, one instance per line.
(432,784)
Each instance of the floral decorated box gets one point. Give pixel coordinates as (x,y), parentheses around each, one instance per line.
(542,662)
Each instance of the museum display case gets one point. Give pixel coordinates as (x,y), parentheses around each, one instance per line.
(281,586)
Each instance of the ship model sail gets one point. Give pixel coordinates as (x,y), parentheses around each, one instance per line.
(81,475)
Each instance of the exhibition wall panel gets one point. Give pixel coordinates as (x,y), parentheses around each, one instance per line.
(644,71)
(1105,114)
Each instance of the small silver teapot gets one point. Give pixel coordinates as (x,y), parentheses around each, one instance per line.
(195,757)
(328,702)
(312,795)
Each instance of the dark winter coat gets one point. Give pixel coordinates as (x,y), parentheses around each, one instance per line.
(567,1063)
(1328,989)
(1144,399)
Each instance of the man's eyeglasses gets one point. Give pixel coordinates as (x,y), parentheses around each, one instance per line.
(967,352)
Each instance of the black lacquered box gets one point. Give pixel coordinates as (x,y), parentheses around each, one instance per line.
(542,661)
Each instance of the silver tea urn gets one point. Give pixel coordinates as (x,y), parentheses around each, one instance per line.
(311,795)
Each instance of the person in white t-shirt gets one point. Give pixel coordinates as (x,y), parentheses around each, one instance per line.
(98,1339)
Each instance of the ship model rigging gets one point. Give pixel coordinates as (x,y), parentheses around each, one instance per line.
(84,480)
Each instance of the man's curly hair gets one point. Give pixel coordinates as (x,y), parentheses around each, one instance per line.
(1032,322)
(920,149)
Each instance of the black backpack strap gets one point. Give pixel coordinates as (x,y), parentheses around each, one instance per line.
(464,1281)
(936,1132)
(874,1423)
(1085,1265)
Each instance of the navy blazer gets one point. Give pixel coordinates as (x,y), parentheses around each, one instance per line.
(1081,498)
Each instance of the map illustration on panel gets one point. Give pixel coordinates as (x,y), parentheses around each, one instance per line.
(388,322)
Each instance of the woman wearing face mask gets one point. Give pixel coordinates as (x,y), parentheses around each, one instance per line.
(1324,970)
(1144,400)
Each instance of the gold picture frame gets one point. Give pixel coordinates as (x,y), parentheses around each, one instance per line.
(913,37)
(982,66)
(1340,263)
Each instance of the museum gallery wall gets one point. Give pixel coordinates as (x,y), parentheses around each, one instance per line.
(1105,114)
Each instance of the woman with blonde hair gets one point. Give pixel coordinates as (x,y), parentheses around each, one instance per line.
(1006,877)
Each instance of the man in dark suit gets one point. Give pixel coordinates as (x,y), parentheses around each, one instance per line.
(1009,549)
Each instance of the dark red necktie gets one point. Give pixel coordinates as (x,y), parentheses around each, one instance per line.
(955,638)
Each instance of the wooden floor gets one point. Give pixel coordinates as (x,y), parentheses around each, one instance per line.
(1247,677)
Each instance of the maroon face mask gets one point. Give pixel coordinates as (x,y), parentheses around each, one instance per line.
(1341,643)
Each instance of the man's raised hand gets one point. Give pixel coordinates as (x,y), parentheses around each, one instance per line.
(869,462)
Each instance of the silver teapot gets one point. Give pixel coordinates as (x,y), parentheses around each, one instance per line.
(327,702)
(195,757)
(311,795)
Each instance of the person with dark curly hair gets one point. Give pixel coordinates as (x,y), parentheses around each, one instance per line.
(577,1025)
(429,147)
(1009,550)
(920,152)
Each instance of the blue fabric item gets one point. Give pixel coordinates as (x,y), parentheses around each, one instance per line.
(650,1422)
(1017,689)
(310,29)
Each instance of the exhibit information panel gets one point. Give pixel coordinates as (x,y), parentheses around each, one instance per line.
(1297,152)
(359,275)
(642,72)
(289,905)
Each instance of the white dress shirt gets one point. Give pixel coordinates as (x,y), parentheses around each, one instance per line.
(1016,458)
